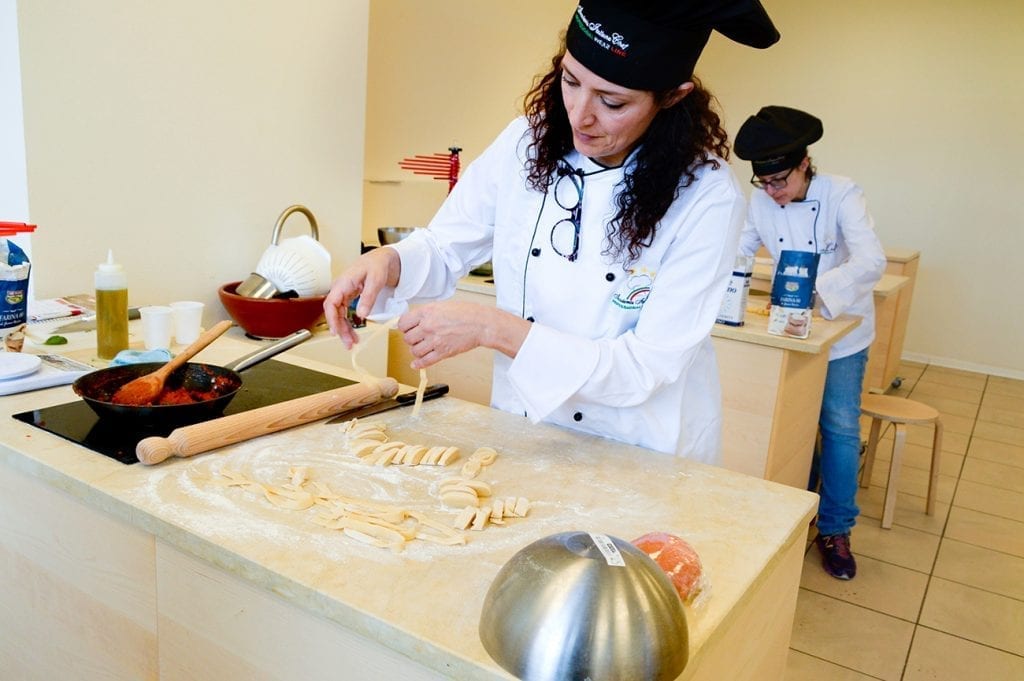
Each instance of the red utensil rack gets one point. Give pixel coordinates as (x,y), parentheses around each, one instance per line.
(437,166)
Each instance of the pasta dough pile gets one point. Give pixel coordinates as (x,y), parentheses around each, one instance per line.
(369,441)
(392,525)
(388,526)
(471,495)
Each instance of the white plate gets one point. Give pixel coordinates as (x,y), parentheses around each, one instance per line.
(15,364)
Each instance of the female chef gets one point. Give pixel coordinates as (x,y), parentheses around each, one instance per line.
(611,220)
(802,210)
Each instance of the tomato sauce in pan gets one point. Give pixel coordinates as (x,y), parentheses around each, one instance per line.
(221,386)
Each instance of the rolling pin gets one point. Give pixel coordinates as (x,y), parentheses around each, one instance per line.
(227,430)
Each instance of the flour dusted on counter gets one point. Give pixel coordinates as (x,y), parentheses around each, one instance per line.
(14,273)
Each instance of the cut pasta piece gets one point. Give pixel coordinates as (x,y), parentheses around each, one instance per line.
(450,454)
(471,469)
(464,518)
(479,487)
(415,455)
(433,455)
(296,500)
(441,538)
(366,430)
(497,512)
(365,538)
(459,498)
(485,455)
(385,457)
(362,448)
(480,520)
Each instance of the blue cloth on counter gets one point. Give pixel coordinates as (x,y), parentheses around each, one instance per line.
(140,356)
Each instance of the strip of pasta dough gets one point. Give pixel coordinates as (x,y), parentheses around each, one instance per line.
(363,373)
(419,393)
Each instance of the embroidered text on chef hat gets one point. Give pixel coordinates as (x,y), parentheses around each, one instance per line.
(776,138)
(654,45)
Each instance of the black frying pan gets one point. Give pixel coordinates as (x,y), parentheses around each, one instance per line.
(194,392)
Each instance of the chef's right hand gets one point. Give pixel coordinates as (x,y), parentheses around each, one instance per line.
(365,279)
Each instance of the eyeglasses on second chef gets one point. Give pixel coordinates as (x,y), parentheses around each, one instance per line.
(565,235)
(773,182)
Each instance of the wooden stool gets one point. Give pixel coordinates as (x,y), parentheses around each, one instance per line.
(899,412)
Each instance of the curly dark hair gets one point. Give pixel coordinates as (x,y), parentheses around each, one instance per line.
(680,139)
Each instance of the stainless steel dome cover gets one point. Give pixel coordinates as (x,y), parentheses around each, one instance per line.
(579,605)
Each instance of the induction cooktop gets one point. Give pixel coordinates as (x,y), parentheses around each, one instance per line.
(266,383)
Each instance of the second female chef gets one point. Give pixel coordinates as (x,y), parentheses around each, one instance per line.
(612,221)
(799,209)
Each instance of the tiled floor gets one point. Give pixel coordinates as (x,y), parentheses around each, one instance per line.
(936,597)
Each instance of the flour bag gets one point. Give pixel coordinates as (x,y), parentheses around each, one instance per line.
(734,304)
(793,294)
(14,271)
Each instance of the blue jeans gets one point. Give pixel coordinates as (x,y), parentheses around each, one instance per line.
(837,463)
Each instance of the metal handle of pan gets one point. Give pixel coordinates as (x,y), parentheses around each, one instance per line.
(276,348)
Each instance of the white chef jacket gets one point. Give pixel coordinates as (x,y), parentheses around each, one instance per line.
(832,220)
(618,351)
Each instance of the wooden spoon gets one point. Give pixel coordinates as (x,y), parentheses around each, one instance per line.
(146,389)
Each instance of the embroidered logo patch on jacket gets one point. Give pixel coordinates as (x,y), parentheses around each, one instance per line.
(634,292)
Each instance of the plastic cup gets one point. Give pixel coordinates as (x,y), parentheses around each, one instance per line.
(157,321)
(188,319)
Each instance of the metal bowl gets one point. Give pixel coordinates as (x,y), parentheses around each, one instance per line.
(392,235)
(578,605)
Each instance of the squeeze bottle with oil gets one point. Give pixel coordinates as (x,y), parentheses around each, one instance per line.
(111,308)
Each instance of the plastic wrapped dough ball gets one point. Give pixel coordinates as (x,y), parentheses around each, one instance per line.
(677,559)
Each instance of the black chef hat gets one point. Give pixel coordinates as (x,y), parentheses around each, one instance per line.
(654,45)
(776,138)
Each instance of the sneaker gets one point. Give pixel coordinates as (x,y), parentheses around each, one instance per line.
(836,557)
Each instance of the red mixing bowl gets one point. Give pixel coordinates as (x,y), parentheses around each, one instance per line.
(271,317)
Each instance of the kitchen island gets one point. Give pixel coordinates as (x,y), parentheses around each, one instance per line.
(134,572)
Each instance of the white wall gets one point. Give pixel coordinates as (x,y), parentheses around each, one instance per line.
(13,183)
(444,73)
(177,132)
(922,105)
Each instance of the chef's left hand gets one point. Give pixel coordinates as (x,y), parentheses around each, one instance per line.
(437,331)
(441,330)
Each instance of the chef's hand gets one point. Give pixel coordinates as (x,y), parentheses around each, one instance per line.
(437,331)
(365,279)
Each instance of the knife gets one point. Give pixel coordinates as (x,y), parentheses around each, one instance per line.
(403,400)
(90,323)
